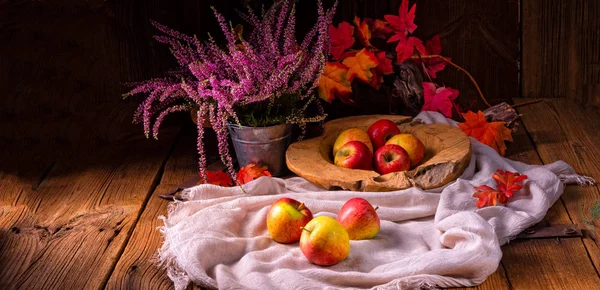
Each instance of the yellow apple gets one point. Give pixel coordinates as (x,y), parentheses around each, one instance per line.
(413,146)
(324,241)
(352,134)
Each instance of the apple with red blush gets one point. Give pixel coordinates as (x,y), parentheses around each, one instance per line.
(354,155)
(381,131)
(359,218)
(285,220)
(391,158)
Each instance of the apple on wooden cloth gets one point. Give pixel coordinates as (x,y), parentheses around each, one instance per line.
(359,218)
(352,134)
(285,220)
(381,131)
(413,146)
(391,158)
(324,241)
(354,155)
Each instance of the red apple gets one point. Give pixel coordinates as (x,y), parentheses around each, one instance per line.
(391,158)
(359,219)
(352,134)
(354,155)
(413,146)
(285,220)
(381,131)
(324,241)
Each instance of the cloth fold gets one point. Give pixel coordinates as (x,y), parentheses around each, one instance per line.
(434,238)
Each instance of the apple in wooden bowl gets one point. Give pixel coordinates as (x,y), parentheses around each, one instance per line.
(447,153)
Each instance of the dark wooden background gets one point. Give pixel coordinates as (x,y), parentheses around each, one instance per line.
(63,64)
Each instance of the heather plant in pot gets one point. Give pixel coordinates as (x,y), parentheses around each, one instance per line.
(252,89)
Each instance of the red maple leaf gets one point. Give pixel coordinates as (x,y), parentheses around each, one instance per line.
(439,99)
(434,65)
(492,134)
(218,177)
(486,196)
(508,182)
(404,23)
(406,46)
(251,172)
(341,38)
(385,64)
(363,33)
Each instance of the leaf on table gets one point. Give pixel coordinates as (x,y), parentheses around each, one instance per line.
(341,38)
(486,196)
(218,177)
(360,65)
(334,81)
(508,182)
(251,172)
(492,134)
(363,33)
(404,22)
(438,99)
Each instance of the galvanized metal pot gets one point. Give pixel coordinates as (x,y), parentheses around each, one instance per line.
(264,145)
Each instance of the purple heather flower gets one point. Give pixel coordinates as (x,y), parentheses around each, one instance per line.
(263,66)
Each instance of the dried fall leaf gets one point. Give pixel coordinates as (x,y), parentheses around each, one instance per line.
(341,38)
(381,29)
(363,33)
(385,64)
(251,172)
(486,196)
(406,46)
(218,177)
(492,134)
(434,65)
(405,21)
(334,80)
(360,65)
(508,182)
(438,99)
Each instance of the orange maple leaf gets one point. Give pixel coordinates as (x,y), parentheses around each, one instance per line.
(360,65)
(250,172)
(487,196)
(218,177)
(334,80)
(508,182)
(363,32)
(492,134)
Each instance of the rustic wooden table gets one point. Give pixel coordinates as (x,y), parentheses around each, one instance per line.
(87,217)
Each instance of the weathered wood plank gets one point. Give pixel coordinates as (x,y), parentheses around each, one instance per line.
(134,269)
(561,49)
(546,263)
(562,130)
(68,231)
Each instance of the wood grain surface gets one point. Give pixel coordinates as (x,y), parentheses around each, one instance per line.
(561,50)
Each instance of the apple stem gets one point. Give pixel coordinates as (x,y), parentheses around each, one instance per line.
(305,229)
(376,207)
(301,206)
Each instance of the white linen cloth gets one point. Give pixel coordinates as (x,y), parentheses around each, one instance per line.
(434,238)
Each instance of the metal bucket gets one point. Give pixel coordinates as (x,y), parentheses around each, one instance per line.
(264,145)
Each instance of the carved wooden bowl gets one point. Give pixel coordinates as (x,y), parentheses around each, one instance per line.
(447,154)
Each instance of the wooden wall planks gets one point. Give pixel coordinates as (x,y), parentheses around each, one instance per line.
(561,50)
